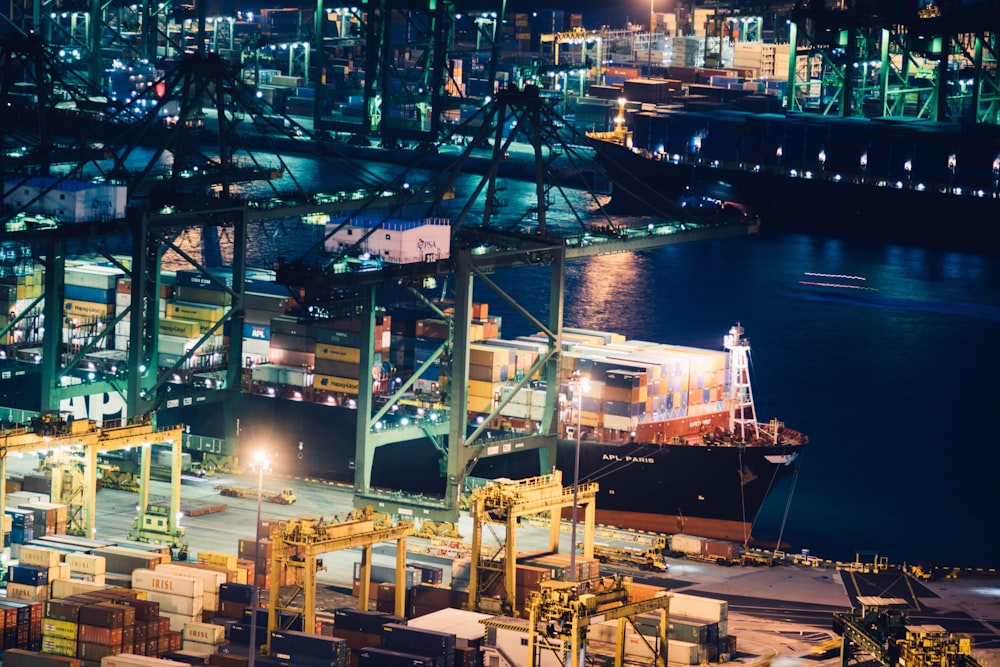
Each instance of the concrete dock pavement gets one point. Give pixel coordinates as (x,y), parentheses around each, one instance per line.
(777,612)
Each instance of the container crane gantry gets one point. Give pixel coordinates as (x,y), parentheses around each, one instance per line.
(506,503)
(297,542)
(54,432)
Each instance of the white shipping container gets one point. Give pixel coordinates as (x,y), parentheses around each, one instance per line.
(16,498)
(98,277)
(705,609)
(688,544)
(395,241)
(177,621)
(25,592)
(253,347)
(515,410)
(132,660)
(170,584)
(684,653)
(465,625)
(205,633)
(210,580)
(180,605)
(37,556)
(514,643)
(63,588)
(198,647)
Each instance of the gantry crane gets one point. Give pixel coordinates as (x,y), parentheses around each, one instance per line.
(505,503)
(52,432)
(880,628)
(560,612)
(296,543)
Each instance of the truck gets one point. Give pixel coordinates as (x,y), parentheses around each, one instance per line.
(127,464)
(283,497)
(642,557)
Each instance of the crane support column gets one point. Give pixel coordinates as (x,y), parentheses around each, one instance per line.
(90,492)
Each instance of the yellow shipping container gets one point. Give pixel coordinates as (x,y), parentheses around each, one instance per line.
(488,355)
(480,404)
(180,327)
(87,308)
(331,383)
(192,311)
(59,646)
(485,373)
(588,418)
(54,628)
(349,355)
(483,389)
(216,559)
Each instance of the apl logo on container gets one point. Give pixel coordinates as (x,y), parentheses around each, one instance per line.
(260,333)
(98,407)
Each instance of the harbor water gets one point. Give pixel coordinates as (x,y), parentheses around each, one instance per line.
(893,387)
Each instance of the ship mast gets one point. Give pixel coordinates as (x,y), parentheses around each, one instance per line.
(742,416)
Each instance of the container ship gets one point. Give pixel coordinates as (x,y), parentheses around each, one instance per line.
(668,432)
(878,180)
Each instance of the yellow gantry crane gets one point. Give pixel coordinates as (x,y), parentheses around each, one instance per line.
(505,502)
(51,431)
(559,614)
(296,543)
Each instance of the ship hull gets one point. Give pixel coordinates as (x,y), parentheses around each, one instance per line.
(850,207)
(711,491)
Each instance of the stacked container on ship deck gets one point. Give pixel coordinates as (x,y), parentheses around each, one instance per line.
(89,304)
(18,291)
(338,355)
(636,388)
(123,301)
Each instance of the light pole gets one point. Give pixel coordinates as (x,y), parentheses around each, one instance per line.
(579,385)
(263,463)
(652,29)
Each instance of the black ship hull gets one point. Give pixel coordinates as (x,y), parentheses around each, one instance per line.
(894,208)
(710,491)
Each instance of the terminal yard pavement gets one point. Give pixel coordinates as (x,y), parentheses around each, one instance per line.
(776,613)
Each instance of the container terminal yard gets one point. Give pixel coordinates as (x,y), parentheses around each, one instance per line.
(149,336)
(785,611)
